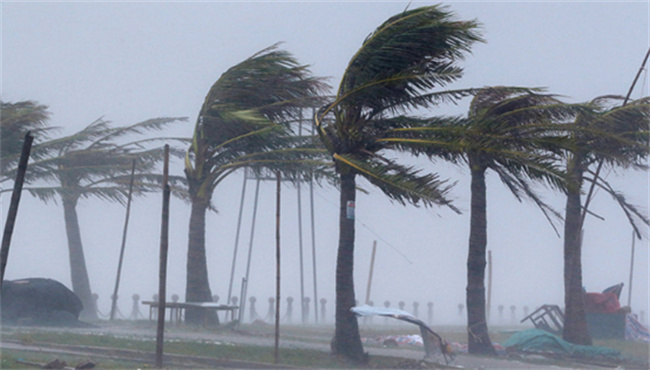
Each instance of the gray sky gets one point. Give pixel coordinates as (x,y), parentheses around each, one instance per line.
(129,61)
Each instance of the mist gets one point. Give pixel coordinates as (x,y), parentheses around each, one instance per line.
(128,62)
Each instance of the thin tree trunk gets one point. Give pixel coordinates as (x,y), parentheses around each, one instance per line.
(78,270)
(477,331)
(575,319)
(346,341)
(198,285)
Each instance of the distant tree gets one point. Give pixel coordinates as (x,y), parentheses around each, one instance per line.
(614,137)
(16,119)
(245,122)
(392,73)
(95,163)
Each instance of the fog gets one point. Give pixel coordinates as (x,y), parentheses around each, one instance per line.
(128,61)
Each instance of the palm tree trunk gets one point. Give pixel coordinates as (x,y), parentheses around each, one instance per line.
(477,331)
(78,270)
(346,341)
(575,319)
(198,285)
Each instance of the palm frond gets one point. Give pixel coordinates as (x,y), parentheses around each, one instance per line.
(407,55)
(401,183)
(632,212)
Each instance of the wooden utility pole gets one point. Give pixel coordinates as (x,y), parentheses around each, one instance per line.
(126,225)
(489,289)
(372,266)
(162,277)
(13,206)
(629,292)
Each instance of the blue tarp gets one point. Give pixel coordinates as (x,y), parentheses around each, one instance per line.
(542,342)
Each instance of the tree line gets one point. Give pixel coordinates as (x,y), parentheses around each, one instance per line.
(527,136)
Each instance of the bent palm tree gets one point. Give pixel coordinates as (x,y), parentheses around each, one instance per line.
(92,163)
(508,131)
(244,122)
(393,72)
(615,137)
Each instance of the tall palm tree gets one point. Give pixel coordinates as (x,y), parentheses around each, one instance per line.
(244,122)
(513,133)
(16,120)
(394,71)
(94,163)
(614,137)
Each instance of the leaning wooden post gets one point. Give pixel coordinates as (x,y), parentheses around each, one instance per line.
(162,282)
(276,352)
(126,225)
(13,206)
(372,266)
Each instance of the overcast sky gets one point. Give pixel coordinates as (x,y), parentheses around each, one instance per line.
(130,61)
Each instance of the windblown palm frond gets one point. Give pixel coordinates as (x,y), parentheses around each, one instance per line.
(402,184)
(16,119)
(248,111)
(404,58)
(82,163)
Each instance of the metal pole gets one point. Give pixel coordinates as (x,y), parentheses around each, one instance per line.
(13,206)
(629,294)
(126,226)
(162,282)
(313,246)
(302,273)
(276,351)
(234,254)
(372,266)
(313,236)
(242,299)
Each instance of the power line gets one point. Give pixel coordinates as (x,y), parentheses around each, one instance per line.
(372,231)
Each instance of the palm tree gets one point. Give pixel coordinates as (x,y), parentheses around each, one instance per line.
(244,122)
(393,72)
(613,137)
(15,121)
(510,131)
(93,163)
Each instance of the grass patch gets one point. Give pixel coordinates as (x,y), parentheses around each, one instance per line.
(9,360)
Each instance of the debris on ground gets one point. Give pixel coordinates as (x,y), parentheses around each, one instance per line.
(541,342)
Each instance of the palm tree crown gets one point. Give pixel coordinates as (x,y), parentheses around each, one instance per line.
(616,137)
(393,72)
(245,122)
(16,120)
(95,162)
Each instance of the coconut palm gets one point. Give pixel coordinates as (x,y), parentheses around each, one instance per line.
(94,163)
(394,71)
(15,121)
(611,137)
(511,132)
(244,122)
